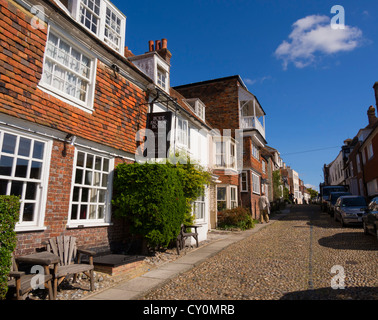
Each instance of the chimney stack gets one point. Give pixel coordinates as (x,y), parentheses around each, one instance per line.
(371,115)
(375,87)
(161,47)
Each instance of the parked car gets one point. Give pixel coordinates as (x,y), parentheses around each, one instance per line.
(325,191)
(370,219)
(350,209)
(332,200)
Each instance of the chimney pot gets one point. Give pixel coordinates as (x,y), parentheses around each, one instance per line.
(157,45)
(151,45)
(164,43)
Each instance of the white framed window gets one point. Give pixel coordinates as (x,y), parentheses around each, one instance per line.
(244,181)
(200,110)
(162,78)
(182,132)
(68,71)
(199,208)
(91,189)
(233,197)
(263,166)
(24,170)
(370,151)
(220,154)
(232,163)
(101,18)
(255,151)
(255,183)
(221,198)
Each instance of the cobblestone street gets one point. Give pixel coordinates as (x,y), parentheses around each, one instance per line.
(290,259)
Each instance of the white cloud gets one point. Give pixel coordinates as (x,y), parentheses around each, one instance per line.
(312,37)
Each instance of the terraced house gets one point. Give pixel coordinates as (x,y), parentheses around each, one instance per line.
(238,115)
(71,104)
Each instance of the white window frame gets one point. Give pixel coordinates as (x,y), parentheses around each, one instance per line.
(41,192)
(101,23)
(256,184)
(88,222)
(263,164)
(227,154)
(86,105)
(233,200)
(199,208)
(182,134)
(162,78)
(244,182)
(222,200)
(255,152)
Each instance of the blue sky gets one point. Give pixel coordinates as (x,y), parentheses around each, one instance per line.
(314,83)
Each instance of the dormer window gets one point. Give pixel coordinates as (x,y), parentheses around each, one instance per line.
(162,78)
(101,18)
(198,107)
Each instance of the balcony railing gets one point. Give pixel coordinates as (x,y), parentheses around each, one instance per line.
(253,123)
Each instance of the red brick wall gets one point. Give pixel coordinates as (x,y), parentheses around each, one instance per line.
(113,123)
(221,99)
(116,108)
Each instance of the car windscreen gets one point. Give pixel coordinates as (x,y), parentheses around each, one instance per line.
(335,196)
(354,202)
(327,191)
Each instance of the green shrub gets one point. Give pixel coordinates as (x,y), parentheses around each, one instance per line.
(151,198)
(239,218)
(9,213)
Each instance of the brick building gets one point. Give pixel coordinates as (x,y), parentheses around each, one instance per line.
(70,106)
(235,112)
(361,165)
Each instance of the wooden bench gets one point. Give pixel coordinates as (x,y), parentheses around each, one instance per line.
(183,235)
(21,284)
(70,260)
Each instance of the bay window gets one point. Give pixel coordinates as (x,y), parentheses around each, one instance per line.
(227,197)
(199,208)
(24,165)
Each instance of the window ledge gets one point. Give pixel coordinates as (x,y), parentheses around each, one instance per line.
(20,229)
(82,225)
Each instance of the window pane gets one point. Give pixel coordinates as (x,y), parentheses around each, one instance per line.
(92,212)
(101,196)
(97,178)
(24,147)
(98,163)
(36,170)
(84,195)
(74,212)
(80,159)
(9,143)
(101,212)
(90,161)
(105,180)
(93,196)
(106,165)
(39,148)
(21,168)
(83,212)
(28,215)
(6,166)
(16,189)
(79,176)
(88,178)
(76,194)
(31,191)
(221,194)
(3,187)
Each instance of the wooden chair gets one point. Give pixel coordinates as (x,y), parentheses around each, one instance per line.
(20,283)
(183,235)
(70,260)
